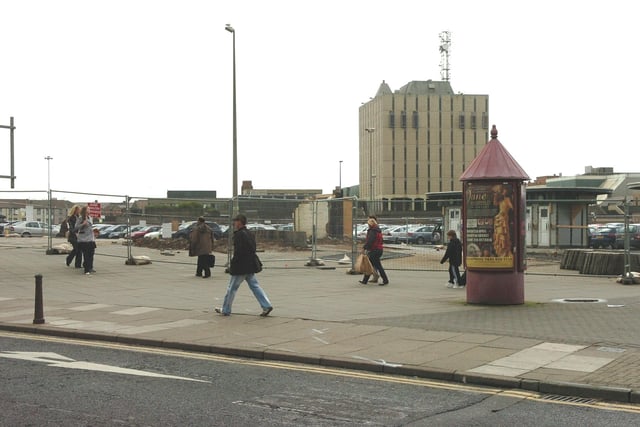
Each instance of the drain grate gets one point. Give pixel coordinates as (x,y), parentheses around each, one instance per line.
(567,399)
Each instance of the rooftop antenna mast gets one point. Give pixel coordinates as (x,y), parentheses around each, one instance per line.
(445,50)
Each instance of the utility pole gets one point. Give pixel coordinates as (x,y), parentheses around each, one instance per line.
(12,176)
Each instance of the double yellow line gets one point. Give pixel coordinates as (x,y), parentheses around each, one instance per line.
(345,373)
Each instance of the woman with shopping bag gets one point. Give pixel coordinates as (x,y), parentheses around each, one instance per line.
(373,249)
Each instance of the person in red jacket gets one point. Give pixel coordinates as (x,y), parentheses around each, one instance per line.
(373,248)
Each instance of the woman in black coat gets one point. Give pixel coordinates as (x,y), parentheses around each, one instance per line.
(454,256)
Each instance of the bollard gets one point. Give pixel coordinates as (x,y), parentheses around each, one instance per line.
(38,317)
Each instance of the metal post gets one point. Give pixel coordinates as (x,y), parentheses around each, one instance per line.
(235,126)
(49,238)
(340,177)
(129,260)
(230,237)
(627,278)
(38,317)
(13,175)
(354,236)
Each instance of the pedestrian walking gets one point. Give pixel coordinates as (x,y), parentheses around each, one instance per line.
(201,245)
(243,266)
(453,254)
(373,248)
(86,239)
(72,237)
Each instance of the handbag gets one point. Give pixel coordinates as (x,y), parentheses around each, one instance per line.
(363,265)
(257,263)
(211,260)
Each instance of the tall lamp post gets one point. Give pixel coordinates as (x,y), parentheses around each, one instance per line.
(370,132)
(340,177)
(233,209)
(628,278)
(235,127)
(49,239)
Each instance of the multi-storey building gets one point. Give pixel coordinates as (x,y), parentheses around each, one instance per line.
(418,140)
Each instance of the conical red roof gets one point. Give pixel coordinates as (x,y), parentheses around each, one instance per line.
(494,162)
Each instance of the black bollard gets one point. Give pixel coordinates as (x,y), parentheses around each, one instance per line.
(38,317)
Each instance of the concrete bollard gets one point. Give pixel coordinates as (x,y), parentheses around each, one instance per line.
(38,317)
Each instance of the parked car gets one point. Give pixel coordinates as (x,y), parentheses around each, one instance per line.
(29,228)
(395,234)
(634,237)
(120,231)
(104,232)
(425,234)
(101,226)
(144,230)
(256,227)
(603,237)
(186,231)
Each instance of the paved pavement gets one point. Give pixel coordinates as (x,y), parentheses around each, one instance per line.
(414,326)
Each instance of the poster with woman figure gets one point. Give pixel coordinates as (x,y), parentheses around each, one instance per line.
(490,225)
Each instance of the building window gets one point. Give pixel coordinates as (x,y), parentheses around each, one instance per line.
(392,119)
(404,119)
(415,120)
(485,121)
(473,121)
(461,121)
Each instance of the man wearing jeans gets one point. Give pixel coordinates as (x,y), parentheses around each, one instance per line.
(244,266)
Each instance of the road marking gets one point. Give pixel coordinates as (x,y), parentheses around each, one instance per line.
(58,361)
(515,393)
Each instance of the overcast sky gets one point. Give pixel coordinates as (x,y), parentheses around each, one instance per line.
(134,97)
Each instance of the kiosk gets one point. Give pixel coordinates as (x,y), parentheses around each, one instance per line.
(494,226)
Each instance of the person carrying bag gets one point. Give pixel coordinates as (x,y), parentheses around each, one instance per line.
(373,249)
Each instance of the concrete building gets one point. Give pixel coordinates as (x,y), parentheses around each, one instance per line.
(418,140)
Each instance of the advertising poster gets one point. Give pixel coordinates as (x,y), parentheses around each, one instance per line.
(490,225)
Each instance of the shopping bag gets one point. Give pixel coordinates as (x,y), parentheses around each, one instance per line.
(211,261)
(363,265)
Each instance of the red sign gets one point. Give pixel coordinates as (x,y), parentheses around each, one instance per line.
(94,210)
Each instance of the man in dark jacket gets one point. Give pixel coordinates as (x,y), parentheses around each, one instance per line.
(454,255)
(244,266)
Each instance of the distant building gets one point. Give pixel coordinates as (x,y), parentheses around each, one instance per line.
(418,140)
(192,194)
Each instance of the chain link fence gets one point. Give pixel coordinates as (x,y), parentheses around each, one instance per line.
(290,232)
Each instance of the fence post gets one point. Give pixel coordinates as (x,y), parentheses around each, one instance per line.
(38,317)
(354,235)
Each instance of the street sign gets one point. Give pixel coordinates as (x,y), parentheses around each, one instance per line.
(95,210)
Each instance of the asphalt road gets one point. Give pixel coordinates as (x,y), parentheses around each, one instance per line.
(61,382)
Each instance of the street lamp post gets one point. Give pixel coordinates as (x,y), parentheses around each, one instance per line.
(235,127)
(627,279)
(233,208)
(340,177)
(49,239)
(370,132)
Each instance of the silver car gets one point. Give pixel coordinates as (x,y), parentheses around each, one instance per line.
(29,228)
